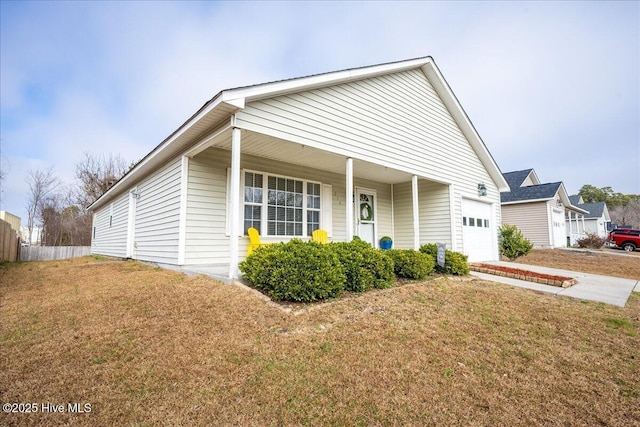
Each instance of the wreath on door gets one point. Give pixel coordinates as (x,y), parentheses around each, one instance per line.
(366,213)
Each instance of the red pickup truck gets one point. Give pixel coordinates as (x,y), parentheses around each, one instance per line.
(625,238)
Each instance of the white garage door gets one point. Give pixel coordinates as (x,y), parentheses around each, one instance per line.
(477,230)
(559,229)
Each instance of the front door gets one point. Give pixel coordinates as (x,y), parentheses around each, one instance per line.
(366,215)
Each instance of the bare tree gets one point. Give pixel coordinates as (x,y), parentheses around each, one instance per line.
(41,185)
(96,174)
(628,214)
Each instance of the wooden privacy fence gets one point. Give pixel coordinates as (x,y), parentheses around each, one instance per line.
(46,253)
(9,242)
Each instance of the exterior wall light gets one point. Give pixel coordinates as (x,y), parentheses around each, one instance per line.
(482,190)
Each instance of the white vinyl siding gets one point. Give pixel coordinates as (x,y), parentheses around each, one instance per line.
(395,120)
(434,214)
(157,219)
(530,218)
(110,225)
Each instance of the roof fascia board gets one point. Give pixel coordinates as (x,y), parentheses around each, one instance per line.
(431,70)
(564,196)
(526,201)
(253,93)
(152,159)
(536,180)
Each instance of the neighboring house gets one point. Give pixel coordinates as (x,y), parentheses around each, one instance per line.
(12,219)
(368,152)
(539,210)
(597,221)
(36,235)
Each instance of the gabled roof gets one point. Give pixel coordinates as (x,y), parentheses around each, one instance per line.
(516,178)
(531,192)
(220,109)
(537,192)
(595,209)
(576,199)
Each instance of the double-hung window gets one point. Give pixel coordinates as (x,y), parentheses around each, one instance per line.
(252,201)
(281,206)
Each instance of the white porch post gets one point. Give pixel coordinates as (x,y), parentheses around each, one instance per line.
(349,201)
(583,232)
(452,216)
(570,227)
(235,204)
(416,214)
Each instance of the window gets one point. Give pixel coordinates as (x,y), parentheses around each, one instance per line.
(313,207)
(472,222)
(479,222)
(252,201)
(486,223)
(464,220)
(284,205)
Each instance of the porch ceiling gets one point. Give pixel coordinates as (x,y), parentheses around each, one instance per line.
(265,146)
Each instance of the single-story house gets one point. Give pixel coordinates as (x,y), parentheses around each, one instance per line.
(384,150)
(597,221)
(539,210)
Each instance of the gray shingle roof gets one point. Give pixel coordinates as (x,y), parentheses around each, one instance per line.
(596,210)
(515,179)
(531,192)
(575,199)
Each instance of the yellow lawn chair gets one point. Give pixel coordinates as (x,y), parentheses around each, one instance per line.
(254,241)
(320,236)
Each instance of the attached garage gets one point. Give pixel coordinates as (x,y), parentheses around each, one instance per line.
(478,230)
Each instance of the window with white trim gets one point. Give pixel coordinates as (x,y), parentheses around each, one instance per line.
(252,201)
(313,207)
(283,200)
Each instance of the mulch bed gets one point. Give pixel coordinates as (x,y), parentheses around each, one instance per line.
(529,276)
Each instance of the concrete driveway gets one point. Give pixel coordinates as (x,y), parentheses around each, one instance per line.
(610,290)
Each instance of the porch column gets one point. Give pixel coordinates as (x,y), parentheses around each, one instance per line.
(570,225)
(416,214)
(234,208)
(583,230)
(349,201)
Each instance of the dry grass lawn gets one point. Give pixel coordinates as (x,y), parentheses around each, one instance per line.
(149,347)
(596,262)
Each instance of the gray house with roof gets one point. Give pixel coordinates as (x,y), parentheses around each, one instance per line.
(595,221)
(540,210)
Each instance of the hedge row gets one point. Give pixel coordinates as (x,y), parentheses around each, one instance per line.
(310,271)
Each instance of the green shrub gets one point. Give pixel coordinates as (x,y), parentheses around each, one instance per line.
(454,262)
(591,241)
(295,271)
(365,267)
(411,264)
(512,243)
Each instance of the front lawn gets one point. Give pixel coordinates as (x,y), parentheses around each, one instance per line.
(150,347)
(595,262)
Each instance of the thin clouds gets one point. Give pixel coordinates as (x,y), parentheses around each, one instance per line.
(548,85)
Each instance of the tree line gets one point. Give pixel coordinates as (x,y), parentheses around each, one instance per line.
(624,209)
(60,210)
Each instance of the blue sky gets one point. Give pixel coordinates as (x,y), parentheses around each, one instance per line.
(548,85)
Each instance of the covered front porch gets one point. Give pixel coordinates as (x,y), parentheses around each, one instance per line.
(287,189)
(575,226)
